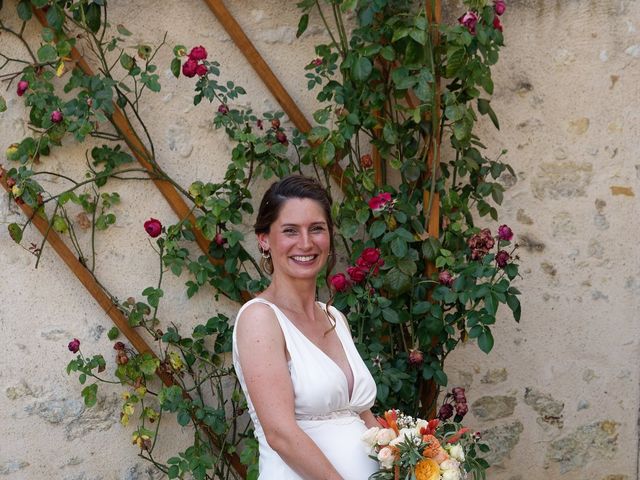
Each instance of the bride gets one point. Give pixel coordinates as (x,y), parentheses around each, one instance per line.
(308,390)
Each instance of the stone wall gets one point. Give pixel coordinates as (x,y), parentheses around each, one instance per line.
(557,398)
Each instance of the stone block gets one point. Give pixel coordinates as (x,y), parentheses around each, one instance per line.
(502,439)
(491,408)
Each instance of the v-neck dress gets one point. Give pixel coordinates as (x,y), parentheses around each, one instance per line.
(324,410)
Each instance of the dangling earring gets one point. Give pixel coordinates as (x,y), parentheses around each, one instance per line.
(266,254)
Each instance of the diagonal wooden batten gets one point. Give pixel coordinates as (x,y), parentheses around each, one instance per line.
(110,308)
(122,125)
(263,70)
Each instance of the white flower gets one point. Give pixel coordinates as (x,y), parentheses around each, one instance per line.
(386,457)
(406,433)
(456,451)
(369,437)
(420,424)
(384,436)
(450,470)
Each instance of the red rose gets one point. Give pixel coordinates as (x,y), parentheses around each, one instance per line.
(153,227)
(317,62)
(370,256)
(502,258)
(339,282)
(469,20)
(201,70)
(379,201)
(357,274)
(223,109)
(499,6)
(74,345)
(198,53)
(505,233)
(190,68)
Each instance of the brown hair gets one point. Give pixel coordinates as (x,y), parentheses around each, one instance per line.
(295,186)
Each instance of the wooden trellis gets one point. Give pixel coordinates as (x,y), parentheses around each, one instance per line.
(174,198)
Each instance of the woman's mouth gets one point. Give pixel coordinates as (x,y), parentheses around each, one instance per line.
(303,258)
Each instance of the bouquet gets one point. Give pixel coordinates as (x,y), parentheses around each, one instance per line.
(410,448)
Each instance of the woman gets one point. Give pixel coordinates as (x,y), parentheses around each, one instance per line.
(308,390)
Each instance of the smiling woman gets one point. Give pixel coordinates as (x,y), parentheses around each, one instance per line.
(308,390)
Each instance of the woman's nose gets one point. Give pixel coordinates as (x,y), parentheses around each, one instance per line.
(305,240)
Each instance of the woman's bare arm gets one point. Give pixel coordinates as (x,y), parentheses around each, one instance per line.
(263,359)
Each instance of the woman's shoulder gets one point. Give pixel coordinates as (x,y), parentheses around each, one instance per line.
(256,314)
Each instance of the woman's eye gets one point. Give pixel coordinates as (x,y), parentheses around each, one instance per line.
(289,231)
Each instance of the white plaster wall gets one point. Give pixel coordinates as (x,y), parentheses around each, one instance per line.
(567,97)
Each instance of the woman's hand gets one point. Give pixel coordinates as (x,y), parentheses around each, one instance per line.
(263,358)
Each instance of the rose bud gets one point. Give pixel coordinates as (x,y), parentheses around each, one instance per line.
(118,346)
(23,86)
(445,278)
(416,357)
(445,412)
(275,123)
(219,239)
(357,274)
(282,138)
(122,358)
(496,23)
(469,20)
(260,125)
(502,258)
(505,233)
(339,282)
(190,68)
(366,161)
(74,345)
(198,53)
(56,116)
(499,7)
(11,182)
(223,109)
(153,227)
(317,62)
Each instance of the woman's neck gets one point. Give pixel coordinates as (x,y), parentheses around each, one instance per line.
(292,294)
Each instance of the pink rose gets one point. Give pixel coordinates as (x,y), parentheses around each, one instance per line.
(416,357)
(339,282)
(445,278)
(153,227)
(357,274)
(505,233)
(190,68)
(469,20)
(379,201)
(56,116)
(74,345)
(499,6)
(198,53)
(317,62)
(223,109)
(23,86)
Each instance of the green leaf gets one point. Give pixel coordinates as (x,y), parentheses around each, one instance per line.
(175,67)
(326,154)
(149,364)
(390,315)
(397,281)
(514,305)
(15,232)
(47,34)
(362,69)
(431,248)
(399,247)
(24,10)
(47,53)
(485,341)
(3,104)
(389,134)
(92,15)
(302,25)
(441,377)
(122,30)
(377,228)
(90,395)
(348,5)
(113,333)
(55,18)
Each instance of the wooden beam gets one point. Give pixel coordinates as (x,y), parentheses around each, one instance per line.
(267,76)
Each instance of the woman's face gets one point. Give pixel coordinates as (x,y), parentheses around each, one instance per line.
(299,239)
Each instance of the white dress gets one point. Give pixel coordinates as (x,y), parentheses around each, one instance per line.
(323,408)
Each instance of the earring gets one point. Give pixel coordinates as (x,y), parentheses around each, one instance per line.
(266,254)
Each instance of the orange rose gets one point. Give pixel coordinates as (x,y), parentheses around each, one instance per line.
(434,450)
(427,469)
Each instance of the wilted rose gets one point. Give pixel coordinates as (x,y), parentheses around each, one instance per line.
(153,227)
(445,278)
(118,346)
(282,138)
(275,123)
(74,345)
(445,412)
(198,53)
(366,161)
(469,20)
(416,357)
(502,258)
(190,68)
(499,7)
(339,282)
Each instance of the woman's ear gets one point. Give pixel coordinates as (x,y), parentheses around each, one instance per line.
(263,241)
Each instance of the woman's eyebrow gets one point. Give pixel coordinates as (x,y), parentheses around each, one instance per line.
(296,225)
